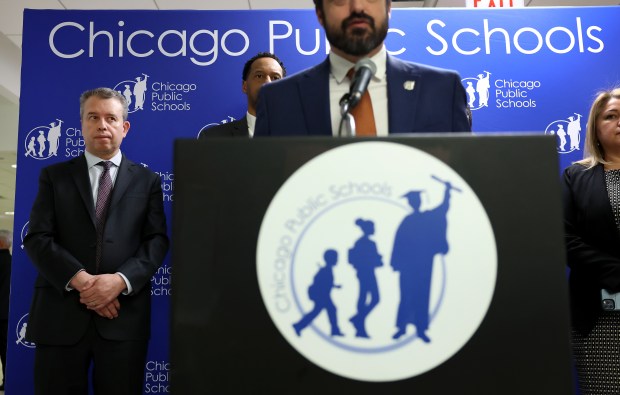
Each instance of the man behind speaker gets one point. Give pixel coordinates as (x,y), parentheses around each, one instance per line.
(406,97)
(97,234)
(261,69)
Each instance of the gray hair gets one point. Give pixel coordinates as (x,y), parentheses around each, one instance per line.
(104,93)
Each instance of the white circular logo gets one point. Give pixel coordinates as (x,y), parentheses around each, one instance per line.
(42,142)
(567,132)
(20,332)
(134,92)
(376,261)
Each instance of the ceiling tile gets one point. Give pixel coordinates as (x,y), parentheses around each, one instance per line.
(12,13)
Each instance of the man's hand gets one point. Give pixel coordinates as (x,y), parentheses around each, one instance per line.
(111,310)
(82,281)
(104,289)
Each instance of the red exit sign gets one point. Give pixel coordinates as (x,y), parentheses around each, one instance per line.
(494,4)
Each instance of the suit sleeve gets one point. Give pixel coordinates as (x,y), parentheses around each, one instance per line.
(262,115)
(460,120)
(52,261)
(585,258)
(140,267)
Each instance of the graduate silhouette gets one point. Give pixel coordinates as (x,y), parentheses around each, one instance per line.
(420,236)
(320,293)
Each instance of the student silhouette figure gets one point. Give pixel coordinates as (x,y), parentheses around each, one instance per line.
(420,236)
(365,258)
(320,293)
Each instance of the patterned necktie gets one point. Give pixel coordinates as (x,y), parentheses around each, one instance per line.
(101,208)
(363,113)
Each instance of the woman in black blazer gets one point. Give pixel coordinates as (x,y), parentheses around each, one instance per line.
(591,197)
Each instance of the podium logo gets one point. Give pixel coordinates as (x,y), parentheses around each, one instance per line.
(20,332)
(376,261)
(134,92)
(42,142)
(567,132)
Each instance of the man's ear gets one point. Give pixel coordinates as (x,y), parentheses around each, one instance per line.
(244,87)
(320,16)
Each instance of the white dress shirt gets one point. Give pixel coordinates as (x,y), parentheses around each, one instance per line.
(251,120)
(339,84)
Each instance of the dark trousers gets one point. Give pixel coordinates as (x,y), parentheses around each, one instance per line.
(117,367)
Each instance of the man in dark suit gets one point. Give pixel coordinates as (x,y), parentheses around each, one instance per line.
(406,97)
(261,69)
(97,234)
(6,240)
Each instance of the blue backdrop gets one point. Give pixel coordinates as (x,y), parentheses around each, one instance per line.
(527,70)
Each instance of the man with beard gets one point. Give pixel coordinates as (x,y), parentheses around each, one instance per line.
(406,97)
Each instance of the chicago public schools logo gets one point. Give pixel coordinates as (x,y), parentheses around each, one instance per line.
(42,142)
(228,119)
(477,89)
(567,132)
(134,92)
(20,332)
(376,261)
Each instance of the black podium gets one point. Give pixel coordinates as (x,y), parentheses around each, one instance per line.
(224,338)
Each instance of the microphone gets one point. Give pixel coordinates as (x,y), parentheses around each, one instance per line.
(364,70)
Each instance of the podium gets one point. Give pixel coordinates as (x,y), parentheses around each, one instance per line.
(253,223)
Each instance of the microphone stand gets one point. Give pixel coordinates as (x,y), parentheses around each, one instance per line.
(347,121)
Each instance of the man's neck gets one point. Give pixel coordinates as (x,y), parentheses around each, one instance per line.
(356,58)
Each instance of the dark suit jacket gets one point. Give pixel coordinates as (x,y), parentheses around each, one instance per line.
(61,240)
(5,283)
(592,242)
(299,105)
(238,128)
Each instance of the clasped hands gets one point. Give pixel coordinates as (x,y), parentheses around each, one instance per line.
(99,292)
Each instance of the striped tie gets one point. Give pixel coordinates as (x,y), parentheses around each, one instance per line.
(101,208)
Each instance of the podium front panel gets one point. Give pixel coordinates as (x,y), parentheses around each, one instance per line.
(227,337)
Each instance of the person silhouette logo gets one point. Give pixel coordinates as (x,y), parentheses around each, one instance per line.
(320,293)
(478,90)
(42,142)
(365,258)
(20,332)
(359,261)
(568,133)
(134,92)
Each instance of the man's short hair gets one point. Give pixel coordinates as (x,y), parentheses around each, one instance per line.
(104,93)
(248,64)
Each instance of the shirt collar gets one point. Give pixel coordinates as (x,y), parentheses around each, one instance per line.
(339,66)
(92,160)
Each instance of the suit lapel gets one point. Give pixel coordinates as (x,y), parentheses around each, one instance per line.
(79,172)
(124,178)
(315,88)
(402,88)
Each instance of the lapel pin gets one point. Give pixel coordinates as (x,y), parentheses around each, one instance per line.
(409,85)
